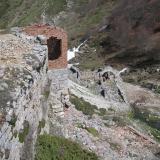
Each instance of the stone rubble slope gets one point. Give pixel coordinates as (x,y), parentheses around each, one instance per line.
(112,142)
(133,141)
(12,49)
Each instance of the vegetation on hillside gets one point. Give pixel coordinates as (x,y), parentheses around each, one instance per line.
(23,134)
(57,148)
(149,121)
(22,12)
(86,107)
(80,19)
(83,106)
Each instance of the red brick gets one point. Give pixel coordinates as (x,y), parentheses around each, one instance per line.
(50,31)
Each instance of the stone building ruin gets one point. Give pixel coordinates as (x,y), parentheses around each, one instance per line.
(56,40)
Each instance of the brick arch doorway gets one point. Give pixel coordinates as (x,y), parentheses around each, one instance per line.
(54,48)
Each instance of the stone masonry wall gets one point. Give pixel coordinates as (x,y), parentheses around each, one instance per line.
(58,73)
(59,86)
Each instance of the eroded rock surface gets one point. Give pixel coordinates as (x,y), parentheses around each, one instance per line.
(22,82)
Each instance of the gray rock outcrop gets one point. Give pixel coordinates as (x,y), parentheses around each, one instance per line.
(27,92)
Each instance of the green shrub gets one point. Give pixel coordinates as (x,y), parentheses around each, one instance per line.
(13,121)
(131,115)
(80,125)
(41,125)
(55,6)
(151,120)
(46,94)
(157,90)
(155,132)
(83,106)
(115,146)
(93,131)
(102,111)
(111,109)
(119,120)
(22,135)
(57,148)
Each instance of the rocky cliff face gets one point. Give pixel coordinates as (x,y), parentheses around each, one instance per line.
(23,78)
(27,92)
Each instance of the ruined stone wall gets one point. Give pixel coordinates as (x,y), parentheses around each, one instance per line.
(59,78)
(58,73)
(23,96)
(57,100)
(49,31)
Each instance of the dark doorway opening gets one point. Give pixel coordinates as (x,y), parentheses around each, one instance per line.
(157,29)
(54,48)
